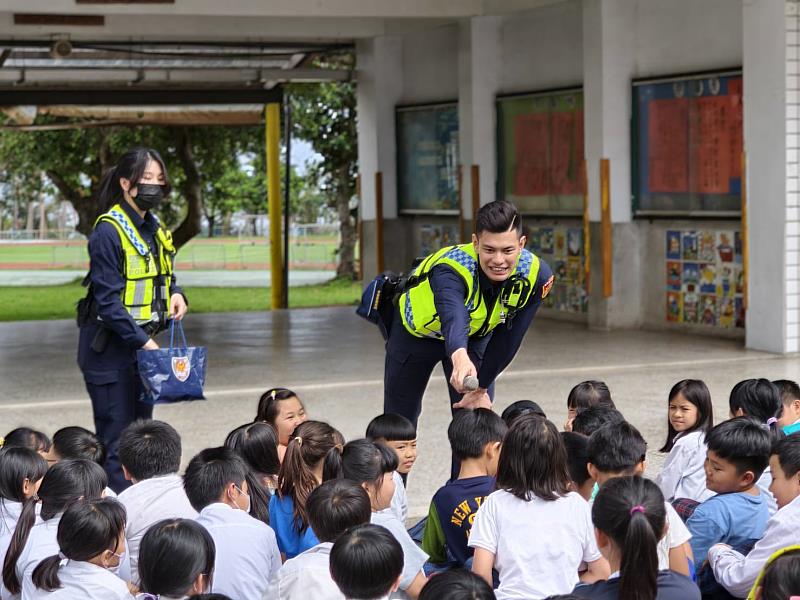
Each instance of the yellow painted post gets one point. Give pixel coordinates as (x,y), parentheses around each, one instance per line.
(745,237)
(605,221)
(273,118)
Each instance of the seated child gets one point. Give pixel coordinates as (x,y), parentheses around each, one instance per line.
(177,559)
(577,446)
(25,437)
(789,420)
(21,472)
(629,515)
(400,435)
(366,563)
(589,420)
(150,454)
(733,570)
(618,450)
(282,409)
(247,553)
(689,419)
(533,530)
(333,507)
(586,395)
(257,445)
(780,578)
(519,408)
(475,439)
(313,447)
(738,452)
(91,537)
(457,584)
(79,442)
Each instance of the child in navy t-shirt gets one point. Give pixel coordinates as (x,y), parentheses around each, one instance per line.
(475,438)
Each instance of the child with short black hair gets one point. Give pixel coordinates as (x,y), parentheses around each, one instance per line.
(91,537)
(367,563)
(475,440)
(577,446)
(150,455)
(457,584)
(519,408)
(585,395)
(589,420)
(737,572)
(399,434)
(78,442)
(247,553)
(333,507)
(780,579)
(533,502)
(689,419)
(619,450)
(789,421)
(282,409)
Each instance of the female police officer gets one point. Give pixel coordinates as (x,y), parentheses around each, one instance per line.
(132,293)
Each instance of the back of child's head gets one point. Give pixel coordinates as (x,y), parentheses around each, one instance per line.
(616,448)
(172,555)
(696,393)
(86,530)
(743,442)
(593,418)
(64,484)
(519,408)
(781,578)
(789,390)
(391,427)
(79,442)
(312,443)
(577,446)
(18,465)
(457,584)
(25,437)
(149,448)
(335,506)
(257,444)
(366,562)
(471,431)
(759,399)
(366,462)
(589,393)
(631,512)
(533,460)
(209,474)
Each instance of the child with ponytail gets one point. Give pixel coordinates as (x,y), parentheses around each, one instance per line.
(629,517)
(34,539)
(91,541)
(283,411)
(21,472)
(312,453)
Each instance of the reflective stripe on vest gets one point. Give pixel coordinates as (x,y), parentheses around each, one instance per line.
(143,274)
(418,309)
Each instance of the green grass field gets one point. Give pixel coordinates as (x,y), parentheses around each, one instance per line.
(34,303)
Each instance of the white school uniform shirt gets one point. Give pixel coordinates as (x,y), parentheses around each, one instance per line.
(737,573)
(84,581)
(684,474)
(677,535)
(147,502)
(41,543)
(247,551)
(399,505)
(413,556)
(307,575)
(537,544)
(763,484)
(9,515)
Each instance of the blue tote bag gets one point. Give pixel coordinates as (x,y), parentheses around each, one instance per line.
(174,374)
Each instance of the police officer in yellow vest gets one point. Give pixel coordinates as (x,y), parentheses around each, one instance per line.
(132,294)
(470,313)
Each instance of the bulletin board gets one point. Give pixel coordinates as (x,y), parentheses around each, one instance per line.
(427,159)
(540,152)
(561,246)
(687,145)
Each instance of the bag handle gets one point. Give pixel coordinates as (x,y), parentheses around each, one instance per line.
(172,334)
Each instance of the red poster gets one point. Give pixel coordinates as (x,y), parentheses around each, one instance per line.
(735,126)
(668,145)
(566,129)
(711,145)
(531,139)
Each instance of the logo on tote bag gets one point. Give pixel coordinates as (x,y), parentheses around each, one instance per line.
(181,367)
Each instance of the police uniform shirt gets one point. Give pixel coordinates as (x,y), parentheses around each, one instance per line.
(86,581)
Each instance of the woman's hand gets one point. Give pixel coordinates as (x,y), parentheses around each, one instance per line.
(177,306)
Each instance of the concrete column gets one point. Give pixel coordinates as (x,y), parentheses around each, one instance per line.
(379,64)
(609,28)
(478,83)
(771,105)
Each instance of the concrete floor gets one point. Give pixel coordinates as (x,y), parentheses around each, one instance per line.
(335,362)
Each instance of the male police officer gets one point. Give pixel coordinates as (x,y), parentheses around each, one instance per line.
(470,312)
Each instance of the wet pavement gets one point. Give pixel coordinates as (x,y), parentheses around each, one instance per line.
(334,361)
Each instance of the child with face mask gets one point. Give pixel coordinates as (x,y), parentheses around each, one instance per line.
(247,551)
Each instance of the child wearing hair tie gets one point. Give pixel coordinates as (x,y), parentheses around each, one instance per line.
(282,409)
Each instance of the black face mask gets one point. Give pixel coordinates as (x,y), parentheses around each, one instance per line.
(149,196)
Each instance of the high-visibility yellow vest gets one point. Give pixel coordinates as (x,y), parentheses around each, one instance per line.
(147,279)
(418,310)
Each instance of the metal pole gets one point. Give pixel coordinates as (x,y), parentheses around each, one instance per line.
(287,190)
(273,118)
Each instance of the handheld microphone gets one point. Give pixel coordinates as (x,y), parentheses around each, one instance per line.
(470,383)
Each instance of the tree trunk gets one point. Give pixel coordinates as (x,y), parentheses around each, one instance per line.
(211,220)
(226,224)
(347,264)
(192,190)
(88,208)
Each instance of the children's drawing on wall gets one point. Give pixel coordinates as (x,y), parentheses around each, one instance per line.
(562,248)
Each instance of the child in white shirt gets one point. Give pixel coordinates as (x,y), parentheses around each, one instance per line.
(689,419)
(366,563)
(91,542)
(533,530)
(247,551)
(79,442)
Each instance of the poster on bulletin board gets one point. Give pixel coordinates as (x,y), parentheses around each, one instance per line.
(687,145)
(540,151)
(427,159)
(561,246)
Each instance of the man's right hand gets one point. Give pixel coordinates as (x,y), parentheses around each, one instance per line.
(150,345)
(462,368)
